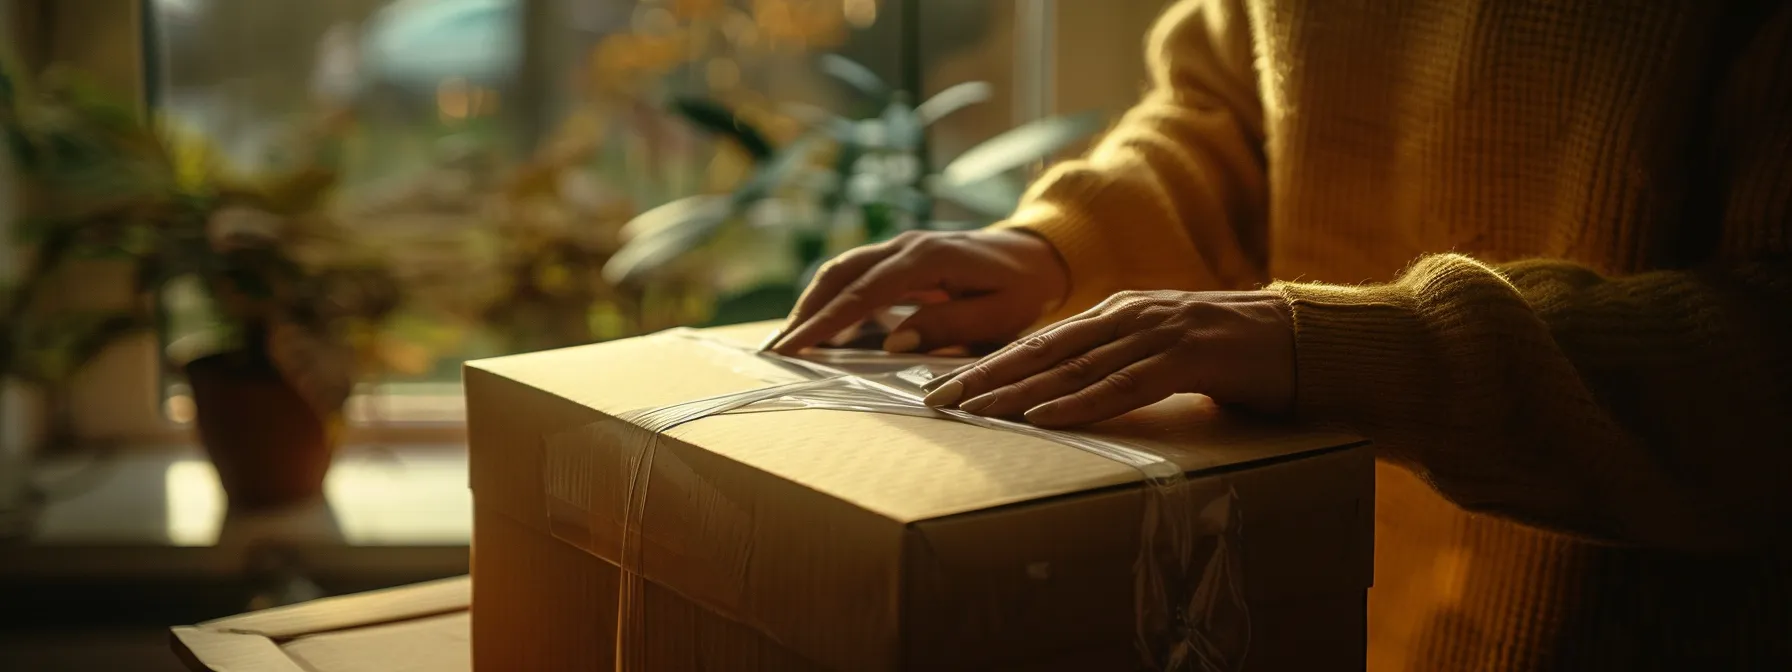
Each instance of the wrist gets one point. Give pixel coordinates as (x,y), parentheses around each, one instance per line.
(1054,271)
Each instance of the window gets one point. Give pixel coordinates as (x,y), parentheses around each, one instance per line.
(492,148)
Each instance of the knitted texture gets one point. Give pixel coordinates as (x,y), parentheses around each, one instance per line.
(1538,252)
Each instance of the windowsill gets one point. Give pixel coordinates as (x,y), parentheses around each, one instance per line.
(158,512)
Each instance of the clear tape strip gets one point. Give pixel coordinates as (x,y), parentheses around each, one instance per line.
(1189,602)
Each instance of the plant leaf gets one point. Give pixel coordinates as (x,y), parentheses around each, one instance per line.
(773,173)
(666,233)
(902,126)
(50,349)
(659,236)
(1020,146)
(859,77)
(716,117)
(674,214)
(953,99)
(996,197)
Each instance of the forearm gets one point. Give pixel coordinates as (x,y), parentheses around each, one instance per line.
(1640,409)
(1175,197)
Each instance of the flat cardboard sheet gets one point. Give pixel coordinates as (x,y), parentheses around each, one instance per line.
(419,628)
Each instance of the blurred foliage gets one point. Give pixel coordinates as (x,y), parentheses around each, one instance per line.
(77,162)
(846,181)
(467,244)
(291,292)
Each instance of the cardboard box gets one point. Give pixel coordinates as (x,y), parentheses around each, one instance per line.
(829,540)
(420,628)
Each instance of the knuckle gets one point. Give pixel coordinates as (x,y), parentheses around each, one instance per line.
(854,294)
(925,244)
(974,375)
(831,270)
(1034,346)
(1123,299)
(1122,382)
(1076,368)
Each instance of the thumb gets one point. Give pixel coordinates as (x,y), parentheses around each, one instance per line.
(974,321)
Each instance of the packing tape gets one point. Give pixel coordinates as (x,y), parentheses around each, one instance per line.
(1188,593)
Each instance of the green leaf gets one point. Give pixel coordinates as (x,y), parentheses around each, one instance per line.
(660,236)
(953,99)
(665,233)
(859,77)
(675,214)
(52,348)
(9,93)
(772,173)
(716,117)
(1020,146)
(811,248)
(880,221)
(996,197)
(846,156)
(903,127)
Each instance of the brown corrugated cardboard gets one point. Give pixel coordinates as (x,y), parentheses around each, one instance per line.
(816,539)
(409,629)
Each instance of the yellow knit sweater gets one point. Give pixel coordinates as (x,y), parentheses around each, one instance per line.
(1598,365)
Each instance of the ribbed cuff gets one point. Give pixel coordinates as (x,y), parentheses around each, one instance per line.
(1378,357)
(1356,349)
(1082,248)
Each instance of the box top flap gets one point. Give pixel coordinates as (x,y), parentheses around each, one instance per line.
(902,467)
(421,627)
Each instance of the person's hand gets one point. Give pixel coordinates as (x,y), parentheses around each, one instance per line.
(975,287)
(1134,350)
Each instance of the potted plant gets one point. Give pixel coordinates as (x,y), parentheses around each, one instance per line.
(297,310)
(296,303)
(879,182)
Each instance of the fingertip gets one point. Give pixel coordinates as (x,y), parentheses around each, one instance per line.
(772,340)
(945,395)
(1042,415)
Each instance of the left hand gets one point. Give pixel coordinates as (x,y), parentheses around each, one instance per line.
(1133,350)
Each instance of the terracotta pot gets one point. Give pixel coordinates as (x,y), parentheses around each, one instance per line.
(270,448)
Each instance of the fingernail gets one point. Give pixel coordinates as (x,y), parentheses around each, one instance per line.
(942,378)
(771,340)
(978,403)
(946,395)
(1039,414)
(902,341)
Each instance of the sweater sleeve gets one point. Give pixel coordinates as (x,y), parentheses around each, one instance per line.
(1180,178)
(1649,409)
(1652,408)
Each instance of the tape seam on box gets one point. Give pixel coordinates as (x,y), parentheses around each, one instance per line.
(1188,597)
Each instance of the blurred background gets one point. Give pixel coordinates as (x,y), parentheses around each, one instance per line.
(245,246)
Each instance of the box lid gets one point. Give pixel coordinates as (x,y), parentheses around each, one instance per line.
(409,628)
(820,528)
(903,468)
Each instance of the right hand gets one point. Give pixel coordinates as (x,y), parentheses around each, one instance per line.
(995,285)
